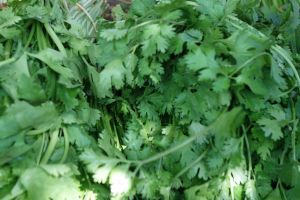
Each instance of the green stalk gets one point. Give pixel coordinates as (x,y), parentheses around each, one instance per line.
(41,149)
(8,48)
(173,149)
(55,39)
(282,53)
(282,157)
(293,134)
(51,147)
(281,188)
(30,36)
(170,150)
(294,156)
(184,170)
(88,15)
(231,187)
(67,145)
(248,62)
(117,137)
(42,44)
(51,84)
(248,152)
(111,129)
(8,61)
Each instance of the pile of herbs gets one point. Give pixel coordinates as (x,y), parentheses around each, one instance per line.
(172,99)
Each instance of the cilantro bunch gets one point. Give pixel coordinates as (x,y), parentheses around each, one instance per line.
(170,100)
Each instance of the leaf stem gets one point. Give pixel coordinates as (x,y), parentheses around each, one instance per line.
(184,170)
(248,62)
(67,145)
(8,46)
(173,149)
(51,147)
(88,15)
(55,39)
(282,190)
(8,61)
(32,31)
(248,152)
(293,134)
(231,187)
(41,149)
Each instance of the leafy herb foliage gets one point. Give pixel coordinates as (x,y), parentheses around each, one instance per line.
(173,99)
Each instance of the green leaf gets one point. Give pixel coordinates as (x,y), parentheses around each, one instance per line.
(23,116)
(60,188)
(120,180)
(100,165)
(113,75)
(226,125)
(157,38)
(196,60)
(251,192)
(8,18)
(113,34)
(245,45)
(274,195)
(271,128)
(56,170)
(78,136)
(239,175)
(29,90)
(54,60)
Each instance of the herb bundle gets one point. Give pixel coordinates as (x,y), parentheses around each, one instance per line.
(171,99)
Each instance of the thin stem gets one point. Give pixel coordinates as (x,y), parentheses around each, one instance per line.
(137,169)
(67,145)
(248,152)
(88,15)
(8,46)
(55,39)
(184,170)
(285,149)
(144,23)
(51,147)
(8,61)
(282,53)
(248,62)
(282,190)
(293,134)
(294,156)
(288,91)
(32,31)
(66,5)
(42,44)
(173,149)
(231,187)
(41,149)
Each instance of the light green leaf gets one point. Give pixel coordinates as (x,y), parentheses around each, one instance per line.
(113,75)
(54,60)
(271,128)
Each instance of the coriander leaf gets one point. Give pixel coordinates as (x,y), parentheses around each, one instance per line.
(113,75)
(271,128)
(113,34)
(23,116)
(8,18)
(60,188)
(120,181)
(54,60)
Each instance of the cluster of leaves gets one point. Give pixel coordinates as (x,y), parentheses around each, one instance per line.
(173,99)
